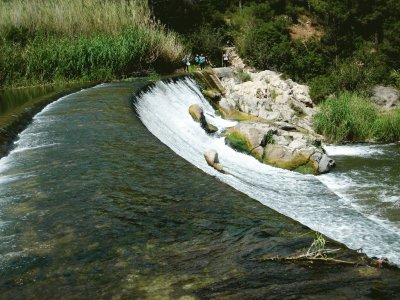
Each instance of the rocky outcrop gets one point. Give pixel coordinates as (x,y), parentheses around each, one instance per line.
(275,116)
(211,157)
(279,101)
(283,147)
(197,114)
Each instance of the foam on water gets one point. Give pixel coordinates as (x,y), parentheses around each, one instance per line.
(354,150)
(163,109)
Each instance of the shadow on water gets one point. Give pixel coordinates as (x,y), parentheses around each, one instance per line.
(94,206)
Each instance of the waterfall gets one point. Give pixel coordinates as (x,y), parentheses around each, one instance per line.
(163,109)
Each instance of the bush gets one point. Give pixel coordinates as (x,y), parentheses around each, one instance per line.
(321,87)
(356,74)
(267,46)
(346,117)
(209,41)
(387,127)
(306,61)
(243,76)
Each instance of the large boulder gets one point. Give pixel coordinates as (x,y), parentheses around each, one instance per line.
(197,114)
(211,157)
(275,146)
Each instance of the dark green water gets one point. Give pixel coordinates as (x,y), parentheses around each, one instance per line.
(93,206)
(18,106)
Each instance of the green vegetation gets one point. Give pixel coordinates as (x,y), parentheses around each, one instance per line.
(47,41)
(239,142)
(298,111)
(243,76)
(299,163)
(332,45)
(351,117)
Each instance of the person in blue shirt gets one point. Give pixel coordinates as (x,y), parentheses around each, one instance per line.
(202,61)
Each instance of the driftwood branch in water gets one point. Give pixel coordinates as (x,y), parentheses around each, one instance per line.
(310,259)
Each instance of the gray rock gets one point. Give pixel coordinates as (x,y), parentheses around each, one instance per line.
(196,112)
(211,157)
(198,115)
(325,164)
(224,72)
(385,96)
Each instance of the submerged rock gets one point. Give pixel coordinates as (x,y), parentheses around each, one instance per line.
(211,157)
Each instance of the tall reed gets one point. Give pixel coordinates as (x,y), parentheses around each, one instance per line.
(350,117)
(45,40)
(73,17)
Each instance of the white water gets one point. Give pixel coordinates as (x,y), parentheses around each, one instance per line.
(164,111)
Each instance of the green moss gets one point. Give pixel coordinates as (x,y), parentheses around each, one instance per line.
(212,94)
(209,80)
(299,163)
(306,169)
(237,115)
(239,142)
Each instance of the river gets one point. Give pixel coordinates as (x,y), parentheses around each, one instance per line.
(93,205)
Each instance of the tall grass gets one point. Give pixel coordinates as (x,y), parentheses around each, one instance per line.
(349,117)
(73,17)
(387,127)
(43,40)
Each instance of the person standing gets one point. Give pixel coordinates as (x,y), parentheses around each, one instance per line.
(225,59)
(186,62)
(202,61)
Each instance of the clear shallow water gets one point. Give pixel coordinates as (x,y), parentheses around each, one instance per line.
(92,205)
(164,111)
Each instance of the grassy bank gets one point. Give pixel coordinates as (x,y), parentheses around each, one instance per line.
(47,41)
(350,117)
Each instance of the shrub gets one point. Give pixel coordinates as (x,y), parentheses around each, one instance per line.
(267,45)
(209,41)
(346,117)
(243,76)
(387,127)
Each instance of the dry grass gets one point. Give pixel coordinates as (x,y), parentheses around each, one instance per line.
(73,17)
(112,37)
(305,30)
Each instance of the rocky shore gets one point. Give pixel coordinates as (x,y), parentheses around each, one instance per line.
(274,117)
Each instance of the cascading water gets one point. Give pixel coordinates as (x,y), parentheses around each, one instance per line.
(163,109)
